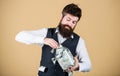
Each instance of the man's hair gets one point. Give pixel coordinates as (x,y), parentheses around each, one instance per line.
(72,9)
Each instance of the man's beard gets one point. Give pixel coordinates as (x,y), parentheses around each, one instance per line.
(65,30)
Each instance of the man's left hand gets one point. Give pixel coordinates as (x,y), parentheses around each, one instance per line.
(75,67)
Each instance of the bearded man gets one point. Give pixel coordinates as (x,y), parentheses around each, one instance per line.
(51,38)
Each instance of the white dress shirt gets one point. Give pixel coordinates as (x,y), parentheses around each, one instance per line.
(37,37)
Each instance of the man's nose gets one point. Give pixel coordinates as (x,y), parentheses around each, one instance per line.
(70,23)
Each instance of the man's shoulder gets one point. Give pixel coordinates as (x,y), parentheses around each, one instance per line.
(79,36)
(52,29)
(76,35)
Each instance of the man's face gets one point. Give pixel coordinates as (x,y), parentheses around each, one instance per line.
(67,25)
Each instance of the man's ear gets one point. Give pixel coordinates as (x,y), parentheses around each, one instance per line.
(61,16)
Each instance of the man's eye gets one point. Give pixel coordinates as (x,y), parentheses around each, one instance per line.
(74,22)
(68,19)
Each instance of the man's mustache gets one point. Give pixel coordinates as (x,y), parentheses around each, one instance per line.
(69,28)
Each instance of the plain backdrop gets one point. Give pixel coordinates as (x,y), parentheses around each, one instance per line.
(99,26)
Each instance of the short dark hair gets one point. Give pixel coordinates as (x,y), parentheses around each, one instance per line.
(72,9)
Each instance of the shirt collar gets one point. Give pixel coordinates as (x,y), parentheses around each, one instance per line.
(56,31)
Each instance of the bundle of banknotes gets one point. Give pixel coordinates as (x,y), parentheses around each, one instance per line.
(64,58)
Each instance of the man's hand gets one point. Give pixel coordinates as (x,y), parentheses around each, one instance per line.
(51,42)
(75,67)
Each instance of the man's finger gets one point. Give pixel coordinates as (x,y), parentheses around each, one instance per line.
(51,42)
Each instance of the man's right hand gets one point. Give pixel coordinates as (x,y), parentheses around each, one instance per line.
(51,42)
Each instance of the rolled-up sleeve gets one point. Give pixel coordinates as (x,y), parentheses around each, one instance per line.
(84,60)
(32,37)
